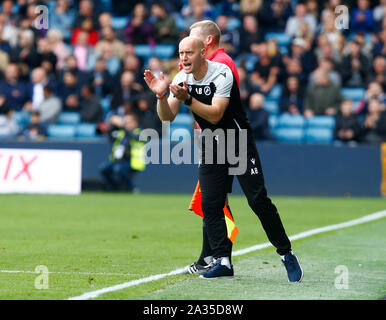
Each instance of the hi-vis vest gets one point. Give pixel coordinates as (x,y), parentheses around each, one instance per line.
(137,150)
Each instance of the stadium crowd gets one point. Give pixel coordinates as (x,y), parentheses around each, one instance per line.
(296,65)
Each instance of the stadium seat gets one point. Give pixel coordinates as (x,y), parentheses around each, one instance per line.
(68,118)
(164,51)
(61,131)
(86,130)
(275,92)
(289,135)
(233,23)
(353,93)
(282,38)
(271,106)
(287,120)
(21,117)
(143,50)
(119,22)
(105,104)
(272,122)
(318,135)
(321,122)
(249,59)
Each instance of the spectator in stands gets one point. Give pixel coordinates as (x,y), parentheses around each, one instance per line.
(71,64)
(295,23)
(245,88)
(291,100)
(374,91)
(198,10)
(62,18)
(128,89)
(230,39)
(380,11)
(347,128)
(35,130)
(323,98)
(258,117)
(102,81)
(16,93)
(25,52)
(90,107)
(54,37)
(378,72)
(250,7)
(87,27)
(39,80)
(273,15)
(86,11)
(165,26)
(140,30)
(82,51)
(229,8)
(108,36)
(113,64)
(301,51)
(374,126)
(250,33)
(362,18)
(326,65)
(8,126)
(324,49)
(50,108)
(8,33)
(70,92)
(133,64)
(48,58)
(155,66)
(354,67)
(379,48)
(265,71)
(118,172)
(332,34)
(293,68)
(148,117)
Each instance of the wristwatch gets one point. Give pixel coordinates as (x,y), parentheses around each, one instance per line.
(188,101)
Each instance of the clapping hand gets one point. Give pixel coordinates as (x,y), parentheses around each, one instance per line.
(158,86)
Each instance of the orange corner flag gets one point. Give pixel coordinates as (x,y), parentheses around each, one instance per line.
(196,207)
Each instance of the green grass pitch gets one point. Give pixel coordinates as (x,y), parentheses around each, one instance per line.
(97,240)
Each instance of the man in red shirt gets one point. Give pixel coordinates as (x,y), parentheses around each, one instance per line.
(210,34)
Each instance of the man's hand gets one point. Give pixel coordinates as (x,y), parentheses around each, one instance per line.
(181,93)
(158,86)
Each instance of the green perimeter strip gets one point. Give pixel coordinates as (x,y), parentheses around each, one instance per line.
(263,277)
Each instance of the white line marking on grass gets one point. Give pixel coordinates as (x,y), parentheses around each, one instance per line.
(302,235)
(69,272)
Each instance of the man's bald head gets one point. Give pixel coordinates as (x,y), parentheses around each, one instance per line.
(193,42)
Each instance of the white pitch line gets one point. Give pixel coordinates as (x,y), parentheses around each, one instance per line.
(302,235)
(76,273)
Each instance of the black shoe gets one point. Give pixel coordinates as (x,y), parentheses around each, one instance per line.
(294,270)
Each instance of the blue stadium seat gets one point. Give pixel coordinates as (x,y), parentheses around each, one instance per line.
(233,23)
(105,104)
(289,135)
(86,130)
(272,122)
(164,51)
(250,60)
(61,131)
(272,106)
(287,120)
(353,93)
(321,122)
(143,50)
(21,117)
(319,135)
(68,118)
(275,92)
(119,22)
(182,120)
(282,38)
